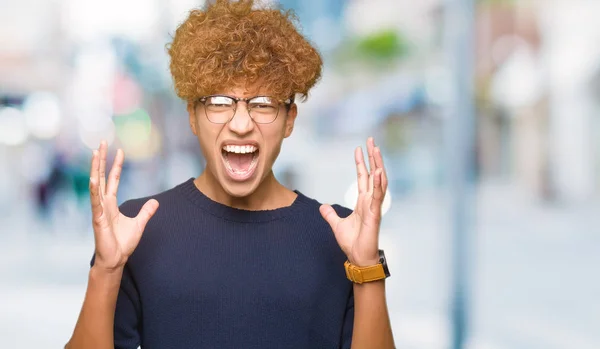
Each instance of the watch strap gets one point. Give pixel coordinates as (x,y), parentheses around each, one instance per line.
(361,275)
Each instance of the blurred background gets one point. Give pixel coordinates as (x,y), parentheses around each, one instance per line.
(73,72)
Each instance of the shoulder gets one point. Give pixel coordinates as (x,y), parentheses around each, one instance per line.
(314,205)
(169,199)
(315,228)
(171,219)
(342,211)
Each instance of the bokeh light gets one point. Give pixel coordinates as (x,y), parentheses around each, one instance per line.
(13,129)
(137,135)
(92,136)
(134,128)
(145,149)
(127,95)
(43,115)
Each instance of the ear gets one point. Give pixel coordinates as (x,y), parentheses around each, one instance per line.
(192,117)
(290,119)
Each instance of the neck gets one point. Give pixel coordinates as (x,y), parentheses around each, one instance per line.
(269,195)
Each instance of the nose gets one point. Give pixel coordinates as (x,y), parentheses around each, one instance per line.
(241,123)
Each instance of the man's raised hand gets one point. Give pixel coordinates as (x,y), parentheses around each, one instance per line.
(358,234)
(115,235)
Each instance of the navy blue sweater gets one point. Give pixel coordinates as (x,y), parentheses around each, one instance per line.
(206,275)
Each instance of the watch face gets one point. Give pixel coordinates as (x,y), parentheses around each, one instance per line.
(383,262)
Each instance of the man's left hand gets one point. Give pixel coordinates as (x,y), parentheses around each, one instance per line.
(358,234)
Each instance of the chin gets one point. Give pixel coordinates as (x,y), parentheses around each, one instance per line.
(239,190)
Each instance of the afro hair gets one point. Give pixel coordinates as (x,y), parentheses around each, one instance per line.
(231,44)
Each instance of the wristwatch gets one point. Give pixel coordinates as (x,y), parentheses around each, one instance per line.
(375,272)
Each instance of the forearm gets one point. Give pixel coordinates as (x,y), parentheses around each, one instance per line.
(95,326)
(372,328)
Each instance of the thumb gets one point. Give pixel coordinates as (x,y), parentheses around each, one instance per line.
(147,211)
(330,216)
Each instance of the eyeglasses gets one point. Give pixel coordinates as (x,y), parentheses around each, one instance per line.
(262,109)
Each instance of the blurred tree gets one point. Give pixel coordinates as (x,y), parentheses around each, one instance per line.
(378,50)
(383,45)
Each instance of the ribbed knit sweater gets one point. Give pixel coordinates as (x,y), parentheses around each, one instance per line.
(206,275)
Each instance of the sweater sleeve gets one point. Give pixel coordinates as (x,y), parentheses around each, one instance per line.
(127,314)
(348,323)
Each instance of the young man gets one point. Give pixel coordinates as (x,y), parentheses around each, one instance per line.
(233,259)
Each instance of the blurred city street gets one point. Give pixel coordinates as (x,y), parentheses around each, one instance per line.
(498,96)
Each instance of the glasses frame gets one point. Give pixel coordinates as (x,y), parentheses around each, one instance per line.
(286,102)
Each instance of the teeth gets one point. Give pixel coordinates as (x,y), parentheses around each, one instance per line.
(240,149)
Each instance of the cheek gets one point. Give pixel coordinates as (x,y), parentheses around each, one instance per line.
(206,152)
(273,139)
(207,139)
(275,133)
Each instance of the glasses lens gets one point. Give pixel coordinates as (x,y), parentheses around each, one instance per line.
(263,109)
(219,109)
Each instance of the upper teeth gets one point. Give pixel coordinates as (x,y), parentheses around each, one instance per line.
(242,149)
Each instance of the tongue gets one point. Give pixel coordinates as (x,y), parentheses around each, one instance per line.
(240,162)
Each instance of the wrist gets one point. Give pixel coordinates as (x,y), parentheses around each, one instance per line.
(365,261)
(106,274)
(367,270)
(113,265)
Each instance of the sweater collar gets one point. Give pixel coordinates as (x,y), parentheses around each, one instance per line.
(190,191)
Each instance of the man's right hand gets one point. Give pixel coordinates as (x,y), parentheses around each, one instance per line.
(115,235)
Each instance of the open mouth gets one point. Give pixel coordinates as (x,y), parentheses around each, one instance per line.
(240,160)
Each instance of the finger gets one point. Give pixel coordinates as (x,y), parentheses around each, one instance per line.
(370,146)
(95,198)
(146,212)
(115,174)
(379,164)
(330,216)
(362,175)
(102,169)
(371,181)
(378,193)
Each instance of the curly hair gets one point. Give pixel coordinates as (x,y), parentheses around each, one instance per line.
(233,44)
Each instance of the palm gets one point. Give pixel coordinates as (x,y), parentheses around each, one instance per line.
(358,234)
(120,237)
(115,235)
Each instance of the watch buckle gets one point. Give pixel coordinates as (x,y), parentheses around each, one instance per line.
(356,275)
